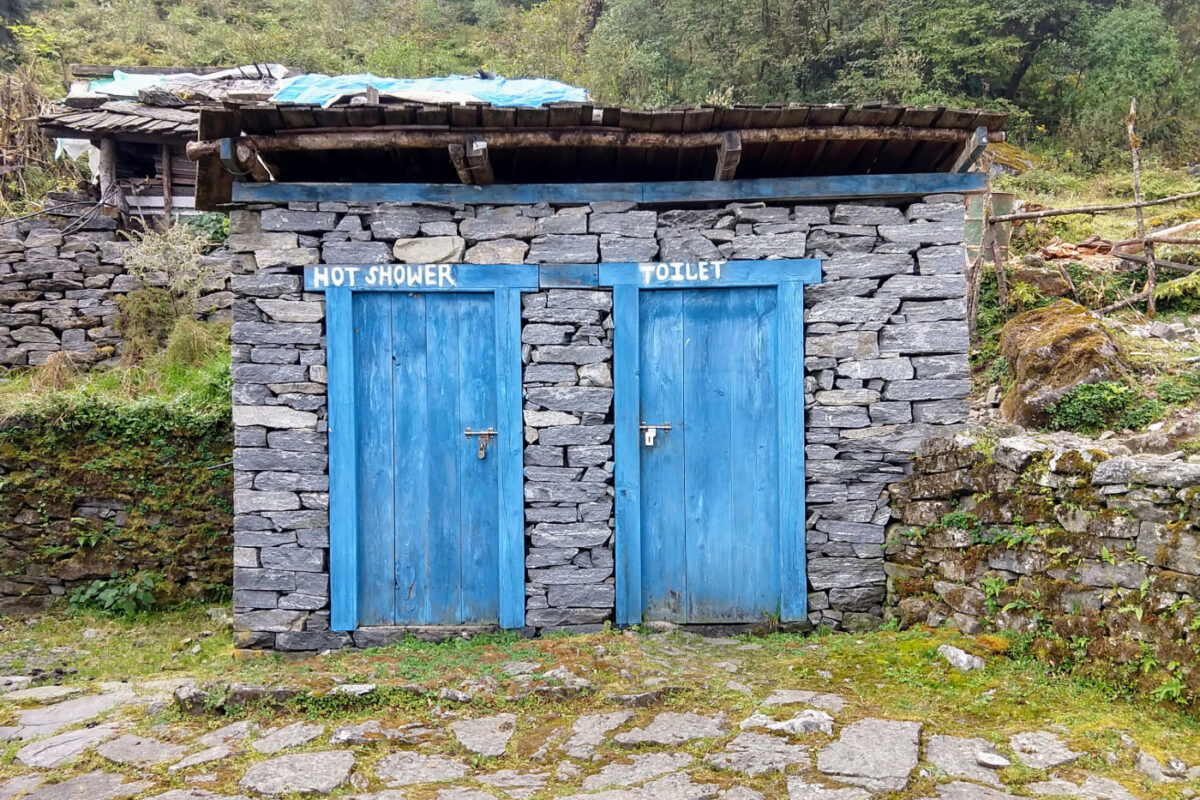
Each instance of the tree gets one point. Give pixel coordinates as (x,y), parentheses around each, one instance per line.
(14,12)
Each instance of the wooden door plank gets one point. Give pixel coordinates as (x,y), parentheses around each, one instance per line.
(708,335)
(412,463)
(789,360)
(625,454)
(445,439)
(752,569)
(509,459)
(376,460)
(661,465)
(479,502)
(343,516)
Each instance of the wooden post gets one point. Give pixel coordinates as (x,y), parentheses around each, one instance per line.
(110,192)
(729,154)
(1151,267)
(458,157)
(479,163)
(165,150)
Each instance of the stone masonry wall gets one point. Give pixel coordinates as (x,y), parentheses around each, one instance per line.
(886,367)
(1091,550)
(58,292)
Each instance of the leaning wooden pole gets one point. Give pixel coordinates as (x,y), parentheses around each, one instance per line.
(1151,267)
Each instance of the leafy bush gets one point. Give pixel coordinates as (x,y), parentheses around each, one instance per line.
(1093,407)
(126,596)
(174,260)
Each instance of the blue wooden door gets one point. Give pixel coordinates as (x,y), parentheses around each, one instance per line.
(709,418)
(425,451)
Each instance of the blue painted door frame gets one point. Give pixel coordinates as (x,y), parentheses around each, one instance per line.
(773,288)
(352,432)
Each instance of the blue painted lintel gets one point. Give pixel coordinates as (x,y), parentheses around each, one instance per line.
(813,189)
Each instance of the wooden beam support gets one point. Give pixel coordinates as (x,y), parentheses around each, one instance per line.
(389,138)
(458,157)
(814,189)
(729,153)
(479,163)
(972,149)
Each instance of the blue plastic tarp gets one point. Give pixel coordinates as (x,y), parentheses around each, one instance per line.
(325,90)
(124,84)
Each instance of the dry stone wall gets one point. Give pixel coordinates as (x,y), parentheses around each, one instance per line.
(58,292)
(885,368)
(1077,542)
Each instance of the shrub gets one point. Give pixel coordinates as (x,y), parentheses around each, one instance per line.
(126,596)
(1093,407)
(191,343)
(145,321)
(173,259)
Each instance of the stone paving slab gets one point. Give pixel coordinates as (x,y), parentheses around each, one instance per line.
(1092,788)
(301,773)
(758,754)
(51,719)
(22,783)
(234,732)
(800,789)
(787,697)
(672,787)
(217,753)
(486,736)
(42,694)
(1041,750)
(139,751)
(293,735)
(57,750)
(588,732)
(672,728)
(960,790)
(89,786)
(639,769)
(959,758)
(877,754)
(515,783)
(405,768)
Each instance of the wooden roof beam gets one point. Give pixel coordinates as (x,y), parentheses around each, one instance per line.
(387,138)
(458,157)
(728,155)
(479,163)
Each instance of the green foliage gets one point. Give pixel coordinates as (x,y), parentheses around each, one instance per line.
(1179,390)
(192,343)
(120,595)
(144,320)
(212,225)
(1093,407)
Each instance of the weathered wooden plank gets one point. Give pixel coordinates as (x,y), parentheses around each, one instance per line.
(626,440)
(479,530)
(343,480)
(568,276)
(510,459)
(479,163)
(728,156)
(661,471)
(711,274)
(410,411)
(375,459)
(445,441)
(793,580)
(420,277)
(458,157)
(810,189)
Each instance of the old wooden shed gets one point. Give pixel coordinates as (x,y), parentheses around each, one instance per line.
(550,367)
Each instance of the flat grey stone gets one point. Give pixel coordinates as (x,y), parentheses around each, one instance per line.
(89,786)
(41,694)
(960,659)
(464,794)
(787,697)
(234,732)
(515,783)
(672,728)
(139,751)
(22,783)
(486,736)
(195,794)
(808,721)
(991,760)
(215,753)
(758,754)
(639,769)
(959,758)
(63,747)
(404,769)
(877,754)
(1092,788)
(315,773)
(520,667)
(1041,750)
(671,787)
(588,732)
(429,250)
(12,683)
(960,790)
(45,721)
(293,735)
(363,733)
(800,789)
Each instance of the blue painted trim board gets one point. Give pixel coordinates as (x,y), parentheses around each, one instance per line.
(626,455)
(511,459)
(343,474)
(711,274)
(420,277)
(789,367)
(801,189)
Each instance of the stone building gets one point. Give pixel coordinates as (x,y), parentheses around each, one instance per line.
(633,366)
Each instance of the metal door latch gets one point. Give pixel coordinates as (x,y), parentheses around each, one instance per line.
(650,431)
(485,438)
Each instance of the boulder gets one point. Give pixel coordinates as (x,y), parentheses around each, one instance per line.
(1051,350)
